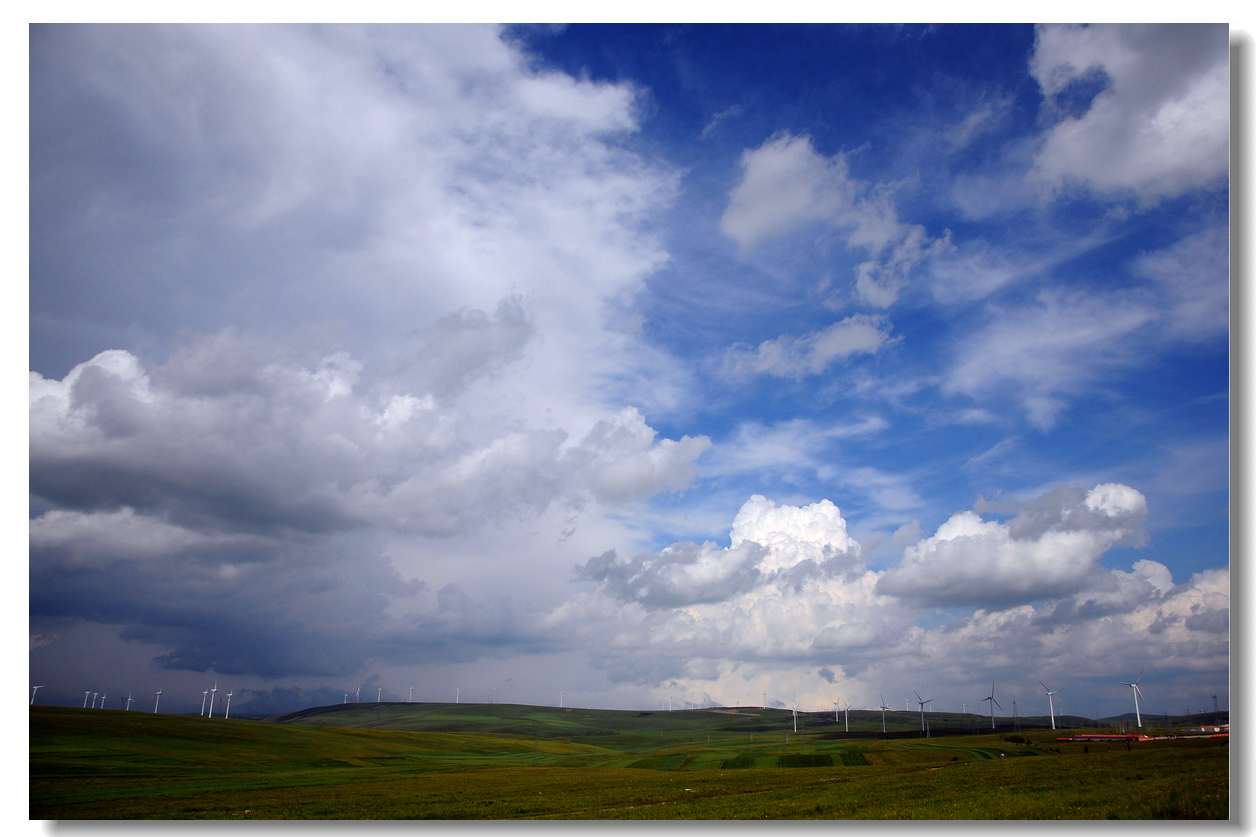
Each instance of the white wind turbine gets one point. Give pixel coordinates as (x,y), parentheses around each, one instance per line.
(128,703)
(204,697)
(795,707)
(157,702)
(346,700)
(922,709)
(228,712)
(357,698)
(993,703)
(34,689)
(1050,701)
(379,694)
(1137,692)
(847,710)
(213,693)
(883,707)
(408,700)
(837,711)
(94,694)
(85,696)
(103,696)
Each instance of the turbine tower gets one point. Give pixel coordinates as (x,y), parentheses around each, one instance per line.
(379,694)
(204,697)
(922,709)
(1050,701)
(157,702)
(848,717)
(883,707)
(228,712)
(1137,691)
(357,698)
(128,703)
(94,694)
(85,696)
(34,689)
(837,711)
(408,700)
(993,703)
(213,693)
(795,708)
(102,699)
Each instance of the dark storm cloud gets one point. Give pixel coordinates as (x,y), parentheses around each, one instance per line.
(236,511)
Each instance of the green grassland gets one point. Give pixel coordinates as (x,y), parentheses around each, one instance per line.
(483,761)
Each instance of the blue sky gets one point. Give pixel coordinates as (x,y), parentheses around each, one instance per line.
(647,361)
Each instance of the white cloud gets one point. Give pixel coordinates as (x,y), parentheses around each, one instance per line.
(1160,124)
(811,354)
(808,618)
(786,186)
(1049,550)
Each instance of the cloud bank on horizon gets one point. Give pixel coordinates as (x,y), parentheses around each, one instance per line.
(632,361)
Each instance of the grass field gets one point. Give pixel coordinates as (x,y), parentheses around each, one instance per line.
(477,761)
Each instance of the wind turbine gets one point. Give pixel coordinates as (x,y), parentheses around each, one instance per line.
(357,698)
(128,703)
(379,694)
(560,698)
(848,717)
(837,711)
(346,700)
(228,713)
(34,689)
(993,703)
(883,707)
(94,694)
(1051,702)
(795,715)
(157,702)
(765,698)
(922,709)
(89,691)
(213,693)
(204,697)
(1137,691)
(411,698)
(103,696)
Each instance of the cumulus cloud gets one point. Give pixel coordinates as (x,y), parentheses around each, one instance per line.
(1145,109)
(1050,549)
(679,575)
(789,606)
(300,447)
(811,354)
(787,186)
